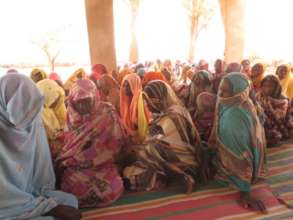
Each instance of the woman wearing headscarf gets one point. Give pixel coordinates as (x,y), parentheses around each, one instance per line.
(38,75)
(109,90)
(54,113)
(278,124)
(95,135)
(78,74)
(172,146)
(204,115)
(54,76)
(133,111)
(98,70)
(246,69)
(200,82)
(286,77)
(26,172)
(150,76)
(239,139)
(257,75)
(124,72)
(218,75)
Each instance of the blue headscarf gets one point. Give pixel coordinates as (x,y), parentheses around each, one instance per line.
(26,173)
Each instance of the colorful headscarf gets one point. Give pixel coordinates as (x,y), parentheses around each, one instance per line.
(134,112)
(98,70)
(124,72)
(81,89)
(52,92)
(150,76)
(206,100)
(110,90)
(78,74)
(36,71)
(54,76)
(241,156)
(194,90)
(277,85)
(256,80)
(287,82)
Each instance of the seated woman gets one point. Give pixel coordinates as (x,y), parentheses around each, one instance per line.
(54,76)
(26,172)
(257,75)
(95,135)
(109,90)
(204,115)
(286,77)
(124,72)
(78,74)
(54,114)
(38,75)
(172,147)
(278,124)
(133,111)
(239,139)
(200,82)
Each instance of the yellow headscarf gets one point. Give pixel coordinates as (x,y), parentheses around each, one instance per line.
(38,71)
(54,118)
(257,80)
(80,73)
(287,82)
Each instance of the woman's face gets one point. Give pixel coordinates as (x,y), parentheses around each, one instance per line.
(84,106)
(127,89)
(268,88)
(37,77)
(282,72)
(225,89)
(256,71)
(219,66)
(153,104)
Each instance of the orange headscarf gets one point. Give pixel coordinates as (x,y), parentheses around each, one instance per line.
(133,111)
(122,74)
(150,76)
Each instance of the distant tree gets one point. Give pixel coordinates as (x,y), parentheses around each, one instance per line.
(50,44)
(199,13)
(134,52)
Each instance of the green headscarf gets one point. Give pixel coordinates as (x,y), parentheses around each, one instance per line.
(238,81)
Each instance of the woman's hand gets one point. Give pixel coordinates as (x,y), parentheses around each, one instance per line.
(247,200)
(64,212)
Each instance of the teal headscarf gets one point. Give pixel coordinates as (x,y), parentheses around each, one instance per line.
(238,82)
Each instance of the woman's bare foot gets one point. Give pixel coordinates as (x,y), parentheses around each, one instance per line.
(247,200)
(64,212)
(189,182)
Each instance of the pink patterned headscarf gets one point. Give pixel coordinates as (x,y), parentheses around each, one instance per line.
(82,89)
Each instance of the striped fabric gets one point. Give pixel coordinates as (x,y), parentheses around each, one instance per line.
(210,201)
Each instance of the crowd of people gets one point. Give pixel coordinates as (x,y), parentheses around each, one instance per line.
(83,142)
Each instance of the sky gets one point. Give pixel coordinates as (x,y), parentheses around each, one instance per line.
(162,30)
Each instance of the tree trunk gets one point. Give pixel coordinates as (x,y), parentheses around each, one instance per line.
(233,14)
(100,24)
(193,37)
(134,53)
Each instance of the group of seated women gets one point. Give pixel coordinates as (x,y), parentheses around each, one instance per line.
(81,144)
